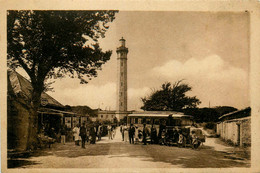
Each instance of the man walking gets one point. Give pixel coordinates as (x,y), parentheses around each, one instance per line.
(83,134)
(145,134)
(63,134)
(122,131)
(153,135)
(131,134)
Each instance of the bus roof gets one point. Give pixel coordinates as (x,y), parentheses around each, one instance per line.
(158,115)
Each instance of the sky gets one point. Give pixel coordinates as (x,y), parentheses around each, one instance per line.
(209,50)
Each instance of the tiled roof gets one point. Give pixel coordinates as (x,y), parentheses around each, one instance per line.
(20,85)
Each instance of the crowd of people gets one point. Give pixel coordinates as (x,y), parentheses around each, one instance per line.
(133,134)
(87,133)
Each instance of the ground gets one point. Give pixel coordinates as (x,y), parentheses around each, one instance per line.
(118,154)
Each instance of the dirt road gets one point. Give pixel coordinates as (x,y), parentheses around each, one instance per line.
(118,154)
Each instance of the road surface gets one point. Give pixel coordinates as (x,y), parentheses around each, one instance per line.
(118,154)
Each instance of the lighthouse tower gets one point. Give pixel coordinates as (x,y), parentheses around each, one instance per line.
(121,102)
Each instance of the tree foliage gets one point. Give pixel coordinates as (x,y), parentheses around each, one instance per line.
(52,44)
(208,114)
(170,98)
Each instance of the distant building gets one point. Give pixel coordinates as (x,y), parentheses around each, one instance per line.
(106,115)
(236,127)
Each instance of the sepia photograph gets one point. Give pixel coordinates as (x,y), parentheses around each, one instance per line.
(134,89)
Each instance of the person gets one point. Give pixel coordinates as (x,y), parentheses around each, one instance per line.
(113,132)
(194,140)
(136,135)
(131,134)
(83,134)
(122,131)
(93,134)
(76,136)
(63,135)
(52,133)
(109,131)
(125,129)
(99,132)
(145,134)
(153,135)
(180,140)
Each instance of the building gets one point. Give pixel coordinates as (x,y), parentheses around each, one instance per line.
(235,127)
(121,101)
(106,115)
(51,113)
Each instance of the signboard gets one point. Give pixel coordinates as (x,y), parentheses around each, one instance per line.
(44,101)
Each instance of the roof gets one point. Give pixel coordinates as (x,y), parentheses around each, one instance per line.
(20,85)
(236,114)
(159,114)
(106,112)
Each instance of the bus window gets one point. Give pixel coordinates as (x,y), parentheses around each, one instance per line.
(156,121)
(139,120)
(148,121)
(136,120)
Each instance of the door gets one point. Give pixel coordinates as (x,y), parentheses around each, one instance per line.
(238,134)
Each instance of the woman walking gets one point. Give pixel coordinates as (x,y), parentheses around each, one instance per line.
(109,131)
(126,133)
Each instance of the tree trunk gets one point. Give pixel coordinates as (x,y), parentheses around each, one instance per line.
(33,120)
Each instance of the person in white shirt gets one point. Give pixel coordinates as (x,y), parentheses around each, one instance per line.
(109,130)
(76,132)
(125,129)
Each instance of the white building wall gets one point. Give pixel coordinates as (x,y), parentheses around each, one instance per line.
(229,131)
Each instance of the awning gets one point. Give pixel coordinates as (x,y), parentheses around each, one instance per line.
(55,112)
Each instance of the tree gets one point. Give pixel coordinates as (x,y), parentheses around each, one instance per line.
(52,44)
(208,114)
(170,98)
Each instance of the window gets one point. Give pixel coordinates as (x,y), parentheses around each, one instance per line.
(136,120)
(101,116)
(148,121)
(107,116)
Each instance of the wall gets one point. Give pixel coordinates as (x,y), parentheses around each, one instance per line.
(246,132)
(228,130)
(106,116)
(17,126)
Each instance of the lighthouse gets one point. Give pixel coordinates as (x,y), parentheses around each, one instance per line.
(121,101)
